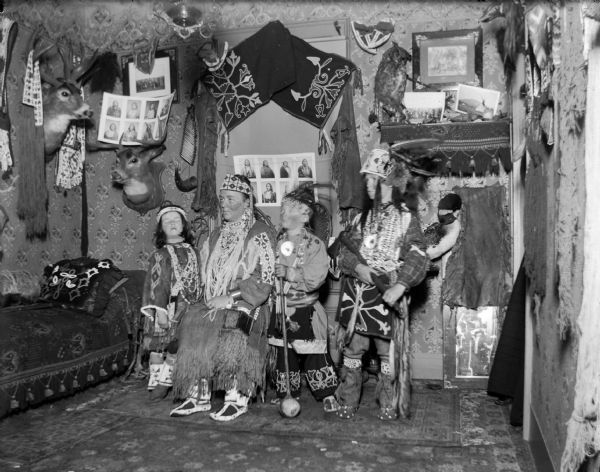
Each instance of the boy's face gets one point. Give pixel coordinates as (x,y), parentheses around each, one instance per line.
(294,214)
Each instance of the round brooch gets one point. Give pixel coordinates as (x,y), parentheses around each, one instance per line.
(370,241)
(287,248)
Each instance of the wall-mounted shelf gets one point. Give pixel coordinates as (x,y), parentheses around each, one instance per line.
(465,147)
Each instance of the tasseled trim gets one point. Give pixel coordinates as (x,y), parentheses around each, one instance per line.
(236,359)
(198,339)
(358,81)
(221,354)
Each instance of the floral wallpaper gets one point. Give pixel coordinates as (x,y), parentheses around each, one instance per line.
(125,236)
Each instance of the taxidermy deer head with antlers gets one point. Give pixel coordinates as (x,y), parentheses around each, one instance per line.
(139,175)
(61,96)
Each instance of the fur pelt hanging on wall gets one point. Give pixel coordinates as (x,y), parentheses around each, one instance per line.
(32,196)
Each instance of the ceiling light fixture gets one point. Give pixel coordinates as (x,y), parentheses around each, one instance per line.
(185,20)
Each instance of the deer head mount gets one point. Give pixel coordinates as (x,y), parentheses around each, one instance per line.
(61,96)
(139,175)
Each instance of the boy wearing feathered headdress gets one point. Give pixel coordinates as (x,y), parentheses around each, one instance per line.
(301,268)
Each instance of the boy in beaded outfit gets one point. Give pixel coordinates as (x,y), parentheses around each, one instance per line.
(301,267)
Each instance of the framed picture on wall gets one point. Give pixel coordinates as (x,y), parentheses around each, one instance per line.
(162,80)
(274,175)
(446,58)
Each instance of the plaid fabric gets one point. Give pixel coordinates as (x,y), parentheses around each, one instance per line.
(412,246)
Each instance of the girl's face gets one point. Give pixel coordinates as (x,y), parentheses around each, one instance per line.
(172,225)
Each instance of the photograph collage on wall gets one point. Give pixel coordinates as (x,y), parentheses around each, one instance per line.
(134,118)
(274,175)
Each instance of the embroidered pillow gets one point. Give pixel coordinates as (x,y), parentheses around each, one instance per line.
(82,283)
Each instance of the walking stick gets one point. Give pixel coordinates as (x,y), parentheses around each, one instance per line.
(289,407)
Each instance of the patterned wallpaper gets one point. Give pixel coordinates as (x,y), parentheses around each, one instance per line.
(125,236)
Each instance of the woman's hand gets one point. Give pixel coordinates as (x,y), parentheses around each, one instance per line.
(393,294)
(280,270)
(364,273)
(219,302)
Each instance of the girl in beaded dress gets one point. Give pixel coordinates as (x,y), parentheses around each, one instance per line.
(172,283)
(388,249)
(302,265)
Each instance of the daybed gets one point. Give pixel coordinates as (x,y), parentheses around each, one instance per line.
(80,331)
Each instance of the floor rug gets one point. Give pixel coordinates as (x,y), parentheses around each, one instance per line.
(435,418)
(157,445)
(114,428)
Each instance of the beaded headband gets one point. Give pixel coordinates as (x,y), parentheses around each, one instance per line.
(170,208)
(378,163)
(231,182)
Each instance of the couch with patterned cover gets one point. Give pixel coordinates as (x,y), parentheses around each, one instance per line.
(80,331)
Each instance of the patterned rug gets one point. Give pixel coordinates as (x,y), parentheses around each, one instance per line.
(114,428)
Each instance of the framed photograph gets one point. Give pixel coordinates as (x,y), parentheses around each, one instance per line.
(445,58)
(424,107)
(161,81)
(477,101)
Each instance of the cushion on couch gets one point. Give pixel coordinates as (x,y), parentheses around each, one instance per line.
(83,283)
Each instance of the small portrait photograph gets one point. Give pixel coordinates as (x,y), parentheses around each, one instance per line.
(164,107)
(148,130)
(286,187)
(285,172)
(248,169)
(131,132)
(133,109)
(114,109)
(268,194)
(161,129)
(111,129)
(478,101)
(266,172)
(451,97)
(304,170)
(151,110)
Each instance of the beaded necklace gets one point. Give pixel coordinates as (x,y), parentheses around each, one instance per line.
(223,263)
(381,245)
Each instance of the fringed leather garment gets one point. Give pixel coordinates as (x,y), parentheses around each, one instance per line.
(229,346)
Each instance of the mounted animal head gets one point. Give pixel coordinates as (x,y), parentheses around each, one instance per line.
(61,96)
(139,176)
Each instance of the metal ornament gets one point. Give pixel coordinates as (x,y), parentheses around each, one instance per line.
(287,248)
(370,241)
